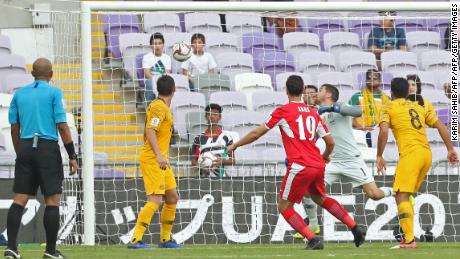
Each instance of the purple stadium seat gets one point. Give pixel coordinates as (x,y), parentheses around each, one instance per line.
(411,24)
(421,41)
(323,25)
(357,61)
(397,60)
(116,24)
(139,70)
(202,22)
(316,62)
(442,77)
(131,45)
(161,22)
(437,97)
(438,25)
(240,24)
(12,82)
(444,115)
(12,64)
(341,80)
(435,60)
(364,25)
(427,78)
(282,78)
(267,101)
(273,63)
(221,42)
(300,42)
(5,44)
(253,42)
(385,80)
(230,101)
(181,104)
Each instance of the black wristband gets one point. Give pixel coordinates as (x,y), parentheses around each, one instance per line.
(69,147)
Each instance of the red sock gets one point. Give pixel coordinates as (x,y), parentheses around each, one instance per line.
(338,211)
(297,223)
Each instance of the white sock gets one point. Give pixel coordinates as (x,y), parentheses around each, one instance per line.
(388,191)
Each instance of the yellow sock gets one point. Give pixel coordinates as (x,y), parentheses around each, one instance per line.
(406,219)
(168,214)
(143,221)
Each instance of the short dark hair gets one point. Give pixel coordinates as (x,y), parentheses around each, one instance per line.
(198,36)
(213,106)
(399,87)
(332,90)
(157,35)
(311,87)
(294,85)
(165,85)
(372,71)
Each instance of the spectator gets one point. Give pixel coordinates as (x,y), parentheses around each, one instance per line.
(310,95)
(214,140)
(371,99)
(448,90)
(447,37)
(415,92)
(155,63)
(386,37)
(200,62)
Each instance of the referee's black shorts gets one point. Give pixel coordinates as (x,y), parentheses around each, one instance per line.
(41,167)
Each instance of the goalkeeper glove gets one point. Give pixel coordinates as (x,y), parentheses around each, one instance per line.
(332,108)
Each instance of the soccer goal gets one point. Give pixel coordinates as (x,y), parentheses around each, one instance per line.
(256,46)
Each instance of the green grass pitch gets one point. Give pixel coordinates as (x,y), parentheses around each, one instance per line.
(265,251)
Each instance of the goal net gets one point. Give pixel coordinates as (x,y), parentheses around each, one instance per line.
(254,54)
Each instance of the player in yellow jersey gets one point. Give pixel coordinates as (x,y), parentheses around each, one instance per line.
(407,120)
(159,182)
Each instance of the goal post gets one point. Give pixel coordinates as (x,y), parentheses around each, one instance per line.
(89,7)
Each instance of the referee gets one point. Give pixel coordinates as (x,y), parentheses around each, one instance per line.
(36,114)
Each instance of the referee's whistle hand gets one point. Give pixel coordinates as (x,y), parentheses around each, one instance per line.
(73,166)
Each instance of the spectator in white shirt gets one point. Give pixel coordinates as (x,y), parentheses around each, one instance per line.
(200,62)
(155,63)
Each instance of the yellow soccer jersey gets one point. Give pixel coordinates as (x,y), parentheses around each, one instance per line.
(160,119)
(408,121)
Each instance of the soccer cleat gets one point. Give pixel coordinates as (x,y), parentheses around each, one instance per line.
(359,235)
(315,244)
(298,236)
(315,230)
(170,244)
(138,245)
(404,245)
(56,254)
(11,254)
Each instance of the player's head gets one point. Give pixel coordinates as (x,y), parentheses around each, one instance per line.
(198,42)
(310,95)
(399,88)
(42,69)
(213,113)
(415,89)
(415,85)
(294,86)
(157,43)
(285,25)
(388,20)
(328,92)
(373,78)
(166,86)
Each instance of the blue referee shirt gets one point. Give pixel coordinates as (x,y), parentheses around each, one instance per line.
(37,108)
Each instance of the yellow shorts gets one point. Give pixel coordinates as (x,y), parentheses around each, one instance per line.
(157,181)
(411,170)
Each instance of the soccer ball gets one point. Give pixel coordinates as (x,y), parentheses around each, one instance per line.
(181,51)
(206,159)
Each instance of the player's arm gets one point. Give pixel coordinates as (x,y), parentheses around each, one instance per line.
(13,119)
(151,135)
(15,132)
(381,143)
(343,109)
(329,147)
(451,154)
(249,138)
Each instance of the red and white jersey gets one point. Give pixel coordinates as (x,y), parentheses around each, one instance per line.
(299,125)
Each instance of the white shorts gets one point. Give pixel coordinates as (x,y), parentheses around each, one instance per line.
(354,171)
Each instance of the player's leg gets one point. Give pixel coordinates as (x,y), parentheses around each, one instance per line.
(154,183)
(318,193)
(375,193)
(168,212)
(25,185)
(292,190)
